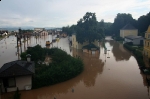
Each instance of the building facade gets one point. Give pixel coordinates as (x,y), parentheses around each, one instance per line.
(147,43)
(128,30)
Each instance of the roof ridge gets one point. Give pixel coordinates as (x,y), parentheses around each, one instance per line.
(128,27)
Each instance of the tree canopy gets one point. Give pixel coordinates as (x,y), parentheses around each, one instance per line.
(143,23)
(69,29)
(62,67)
(120,21)
(87,29)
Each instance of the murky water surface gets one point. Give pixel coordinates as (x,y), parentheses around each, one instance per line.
(114,75)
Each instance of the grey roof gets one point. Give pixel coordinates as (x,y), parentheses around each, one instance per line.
(128,27)
(17,68)
(132,37)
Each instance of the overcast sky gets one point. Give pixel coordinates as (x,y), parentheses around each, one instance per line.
(58,13)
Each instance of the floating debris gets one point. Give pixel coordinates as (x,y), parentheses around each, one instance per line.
(72,90)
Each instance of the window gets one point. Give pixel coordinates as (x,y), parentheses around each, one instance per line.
(11,82)
(148,35)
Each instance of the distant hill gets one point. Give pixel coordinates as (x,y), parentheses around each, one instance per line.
(26,28)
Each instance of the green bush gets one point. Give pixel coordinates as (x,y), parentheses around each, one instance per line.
(62,68)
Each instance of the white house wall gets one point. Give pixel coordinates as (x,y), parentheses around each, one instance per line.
(23,81)
(128,40)
(137,41)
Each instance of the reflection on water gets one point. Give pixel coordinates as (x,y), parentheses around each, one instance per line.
(119,52)
(116,77)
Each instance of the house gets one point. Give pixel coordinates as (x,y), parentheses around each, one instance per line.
(39,29)
(128,30)
(91,49)
(136,40)
(77,45)
(146,50)
(40,32)
(43,33)
(16,74)
(3,32)
(64,35)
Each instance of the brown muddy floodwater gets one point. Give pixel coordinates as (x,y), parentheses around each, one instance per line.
(114,75)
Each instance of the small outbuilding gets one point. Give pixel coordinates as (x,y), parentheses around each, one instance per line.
(16,74)
(136,40)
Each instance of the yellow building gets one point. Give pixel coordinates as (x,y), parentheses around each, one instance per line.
(147,43)
(128,30)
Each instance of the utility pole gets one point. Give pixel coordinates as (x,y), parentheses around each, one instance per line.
(20,35)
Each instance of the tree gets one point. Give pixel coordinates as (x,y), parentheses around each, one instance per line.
(143,23)
(87,29)
(69,29)
(120,21)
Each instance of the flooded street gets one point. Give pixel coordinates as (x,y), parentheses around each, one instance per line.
(114,75)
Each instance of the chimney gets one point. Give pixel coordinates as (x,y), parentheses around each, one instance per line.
(28,57)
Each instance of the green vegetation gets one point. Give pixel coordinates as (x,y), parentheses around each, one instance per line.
(26,31)
(69,29)
(87,28)
(62,68)
(122,19)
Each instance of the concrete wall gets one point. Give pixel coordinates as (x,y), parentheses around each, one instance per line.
(137,41)
(124,33)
